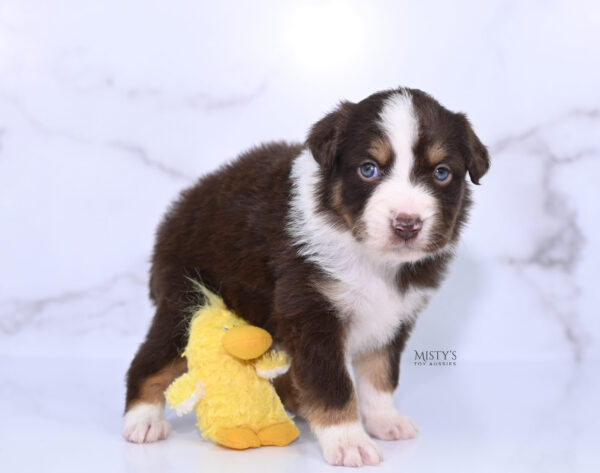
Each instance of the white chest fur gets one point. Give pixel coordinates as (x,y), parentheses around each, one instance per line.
(372,306)
(362,289)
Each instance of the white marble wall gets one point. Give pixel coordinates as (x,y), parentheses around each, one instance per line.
(109,108)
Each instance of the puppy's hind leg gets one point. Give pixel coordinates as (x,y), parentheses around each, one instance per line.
(156,364)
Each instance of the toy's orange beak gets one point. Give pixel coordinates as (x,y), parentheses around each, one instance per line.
(247,342)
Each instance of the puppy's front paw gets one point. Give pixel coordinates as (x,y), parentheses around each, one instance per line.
(145,423)
(390,424)
(347,445)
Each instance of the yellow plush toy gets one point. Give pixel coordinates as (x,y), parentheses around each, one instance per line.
(227,382)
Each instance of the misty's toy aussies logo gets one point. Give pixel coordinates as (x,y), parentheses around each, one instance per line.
(435,358)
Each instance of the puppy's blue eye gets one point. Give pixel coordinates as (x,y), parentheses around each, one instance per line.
(368,170)
(441,173)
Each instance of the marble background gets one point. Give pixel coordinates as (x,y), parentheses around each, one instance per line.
(109,108)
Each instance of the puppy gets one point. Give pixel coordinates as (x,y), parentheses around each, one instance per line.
(333,246)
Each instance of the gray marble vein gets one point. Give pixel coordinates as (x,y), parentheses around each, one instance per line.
(133,151)
(560,250)
(19,314)
(141,155)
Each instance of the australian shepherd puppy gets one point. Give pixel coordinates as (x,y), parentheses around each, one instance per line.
(334,246)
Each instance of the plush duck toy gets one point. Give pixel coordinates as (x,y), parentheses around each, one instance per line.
(227,382)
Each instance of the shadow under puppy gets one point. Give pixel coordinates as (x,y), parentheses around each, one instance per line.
(333,246)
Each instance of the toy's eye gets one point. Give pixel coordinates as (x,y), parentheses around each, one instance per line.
(368,170)
(225,328)
(441,173)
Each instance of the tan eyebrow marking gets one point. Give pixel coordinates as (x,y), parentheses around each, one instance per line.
(382,152)
(436,153)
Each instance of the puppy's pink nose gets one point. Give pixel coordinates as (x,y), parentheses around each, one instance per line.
(407,226)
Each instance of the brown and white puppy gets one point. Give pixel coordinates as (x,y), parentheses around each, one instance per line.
(334,247)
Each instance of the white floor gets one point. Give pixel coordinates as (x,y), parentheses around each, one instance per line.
(65,415)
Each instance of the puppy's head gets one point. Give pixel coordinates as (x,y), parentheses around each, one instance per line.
(393,170)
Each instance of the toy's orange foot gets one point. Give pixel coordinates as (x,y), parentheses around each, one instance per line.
(280,435)
(239,438)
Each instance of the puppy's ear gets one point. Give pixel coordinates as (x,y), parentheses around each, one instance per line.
(325,136)
(478,159)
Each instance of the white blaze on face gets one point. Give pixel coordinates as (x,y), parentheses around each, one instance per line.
(396,194)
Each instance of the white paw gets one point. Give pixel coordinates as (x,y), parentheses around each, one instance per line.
(389,424)
(145,423)
(347,445)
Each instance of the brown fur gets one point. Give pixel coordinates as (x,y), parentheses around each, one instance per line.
(152,388)
(375,366)
(314,408)
(436,153)
(381,151)
(319,416)
(337,202)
